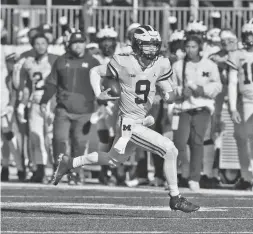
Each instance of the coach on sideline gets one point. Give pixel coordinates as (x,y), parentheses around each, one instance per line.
(69,79)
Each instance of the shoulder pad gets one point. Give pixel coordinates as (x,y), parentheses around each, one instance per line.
(163,61)
(178,64)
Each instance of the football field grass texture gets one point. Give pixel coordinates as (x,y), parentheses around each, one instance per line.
(93,208)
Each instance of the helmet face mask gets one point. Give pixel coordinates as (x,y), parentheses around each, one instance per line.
(107,46)
(247,39)
(150,50)
(229,41)
(247,34)
(107,40)
(146,42)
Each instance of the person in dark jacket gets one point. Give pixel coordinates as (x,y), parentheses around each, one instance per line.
(69,79)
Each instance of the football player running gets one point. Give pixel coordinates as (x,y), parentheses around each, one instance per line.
(240,93)
(138,74)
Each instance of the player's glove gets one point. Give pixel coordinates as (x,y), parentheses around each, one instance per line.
(105,96)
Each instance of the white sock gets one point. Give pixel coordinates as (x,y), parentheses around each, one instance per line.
(170,171)
(85,159)
(208,160)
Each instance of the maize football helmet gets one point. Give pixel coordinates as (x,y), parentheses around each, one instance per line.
(247,34)
(107,40)
(228,40)
(146,42)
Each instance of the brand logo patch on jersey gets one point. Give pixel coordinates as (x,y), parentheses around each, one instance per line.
(85,65)
(205,74)
(132,75)
(126,127)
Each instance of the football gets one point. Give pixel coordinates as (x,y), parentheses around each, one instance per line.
(113,85)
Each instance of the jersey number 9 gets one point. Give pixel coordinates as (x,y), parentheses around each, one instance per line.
(142,87)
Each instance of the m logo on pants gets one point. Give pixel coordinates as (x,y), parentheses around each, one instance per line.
(126,127)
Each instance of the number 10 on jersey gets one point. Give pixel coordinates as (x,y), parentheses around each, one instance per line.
(248,68)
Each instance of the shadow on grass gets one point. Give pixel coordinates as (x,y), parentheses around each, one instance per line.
(25,211)
(65,212)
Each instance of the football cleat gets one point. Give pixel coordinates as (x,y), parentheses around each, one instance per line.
(5,174)
(247,32)
(242,184)
(181,203)
(63,168)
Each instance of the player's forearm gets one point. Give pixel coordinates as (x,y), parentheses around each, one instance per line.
(16,76)
(96,74)
(232,89)
(25,96)
(95,80)
(232,96)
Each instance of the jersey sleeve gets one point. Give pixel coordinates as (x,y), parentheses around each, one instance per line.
(233,60)
(114,66)
(50,87)
(166,71)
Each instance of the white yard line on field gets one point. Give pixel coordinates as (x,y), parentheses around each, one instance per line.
(123,218)
(116,232)
(125,197)
(100,206)
(97,187)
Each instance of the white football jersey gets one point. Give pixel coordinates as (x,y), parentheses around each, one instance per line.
(38,71)
(242,61)
(138,86)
